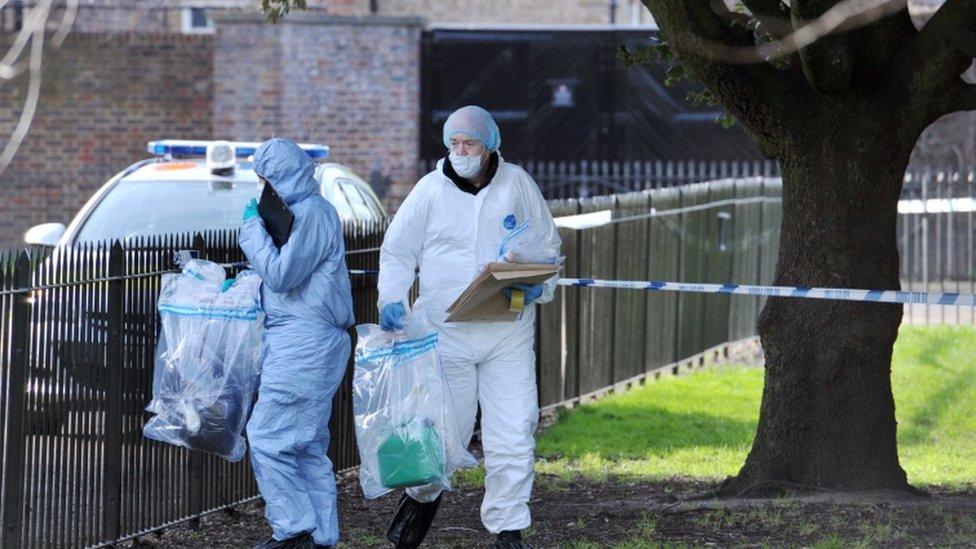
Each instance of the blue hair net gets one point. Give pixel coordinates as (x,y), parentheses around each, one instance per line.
(474,122)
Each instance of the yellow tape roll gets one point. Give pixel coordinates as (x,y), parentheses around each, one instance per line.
(517,303)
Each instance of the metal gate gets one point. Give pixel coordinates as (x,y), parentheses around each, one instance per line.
(568,95)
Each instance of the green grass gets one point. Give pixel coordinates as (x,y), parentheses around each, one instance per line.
(701,426)
(934,381)
(470,478)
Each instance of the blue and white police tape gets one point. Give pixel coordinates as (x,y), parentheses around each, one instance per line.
(843,294)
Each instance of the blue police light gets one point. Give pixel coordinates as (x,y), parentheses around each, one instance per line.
(189,148)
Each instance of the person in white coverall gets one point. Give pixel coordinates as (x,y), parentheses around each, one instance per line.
(466,213)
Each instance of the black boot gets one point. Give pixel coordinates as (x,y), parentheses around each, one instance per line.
(301,541)
(411,522)
(509,539)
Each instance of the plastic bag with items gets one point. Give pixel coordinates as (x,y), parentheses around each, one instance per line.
(406,427)
(208,359)
(527,244)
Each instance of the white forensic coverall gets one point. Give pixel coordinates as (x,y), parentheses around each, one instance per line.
(449,233)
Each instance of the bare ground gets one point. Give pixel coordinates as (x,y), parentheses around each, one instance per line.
(637,514)
(625,513)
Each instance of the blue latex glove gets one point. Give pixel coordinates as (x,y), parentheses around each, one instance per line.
(532,291)
(251,209)
(227,284)
(391,317)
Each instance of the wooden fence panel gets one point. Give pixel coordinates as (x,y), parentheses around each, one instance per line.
(664,238)
(718,267)
(691,306)
(596,305)
(631,249)
(746,219)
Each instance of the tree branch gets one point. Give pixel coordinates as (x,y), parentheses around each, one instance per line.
(756,94)
(734,21)
(941,51)
(711,20)
(964,40)
(963,98)
(773,15)
(946,43)
(828,63)
(857,42)
(959,11)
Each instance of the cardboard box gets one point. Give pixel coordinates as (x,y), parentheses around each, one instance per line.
(483,299)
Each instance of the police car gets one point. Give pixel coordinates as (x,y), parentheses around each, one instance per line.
(194,186)
(186,187)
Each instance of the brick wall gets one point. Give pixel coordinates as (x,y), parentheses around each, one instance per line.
(351,83)
(143,16)
(102,98)
(519,11)
(101,18)
(166,16)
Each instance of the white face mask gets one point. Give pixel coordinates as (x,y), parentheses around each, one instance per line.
(466,166)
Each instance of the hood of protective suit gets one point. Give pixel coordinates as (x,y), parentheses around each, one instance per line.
(290,170)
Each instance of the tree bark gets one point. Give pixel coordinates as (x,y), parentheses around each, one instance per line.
(827,417)
(843,128)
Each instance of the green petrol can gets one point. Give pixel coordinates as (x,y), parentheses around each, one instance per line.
(412,455)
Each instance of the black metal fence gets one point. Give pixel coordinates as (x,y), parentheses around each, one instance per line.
(78,331)
(936,230)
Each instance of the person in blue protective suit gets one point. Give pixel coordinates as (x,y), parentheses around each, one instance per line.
(473,209)
(307,301)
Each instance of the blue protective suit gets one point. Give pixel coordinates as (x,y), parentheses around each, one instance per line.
(308,306)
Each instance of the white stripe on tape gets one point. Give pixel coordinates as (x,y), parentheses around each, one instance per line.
(843,294)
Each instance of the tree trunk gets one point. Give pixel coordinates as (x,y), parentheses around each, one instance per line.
(828,417)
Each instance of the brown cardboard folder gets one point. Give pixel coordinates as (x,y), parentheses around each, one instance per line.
(483,299)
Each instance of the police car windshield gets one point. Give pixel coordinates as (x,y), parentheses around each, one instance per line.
(134,209)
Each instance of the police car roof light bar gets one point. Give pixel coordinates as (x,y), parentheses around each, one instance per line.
(188,148)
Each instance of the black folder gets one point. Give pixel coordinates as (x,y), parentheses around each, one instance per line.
(278,219)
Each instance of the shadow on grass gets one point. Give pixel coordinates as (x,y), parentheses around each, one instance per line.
(922,427)
(928,356)
(926,350)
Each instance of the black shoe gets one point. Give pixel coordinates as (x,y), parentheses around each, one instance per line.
(509,539)
(320,546)
(301,541)
(411,522)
